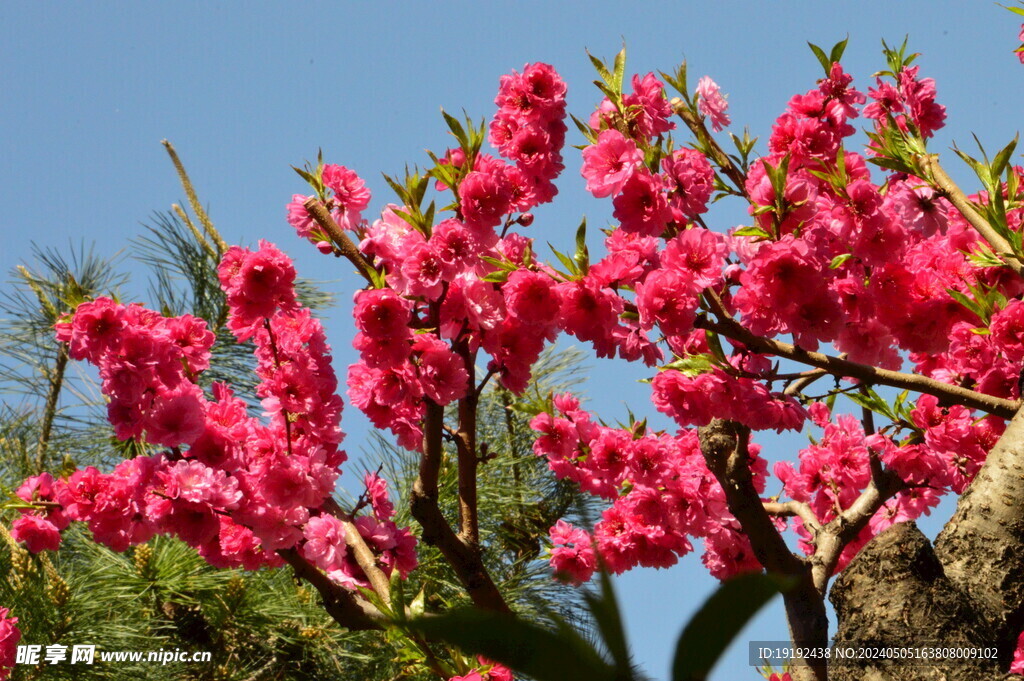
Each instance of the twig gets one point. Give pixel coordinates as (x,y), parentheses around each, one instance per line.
(323,218)
(840,367)
(949,189)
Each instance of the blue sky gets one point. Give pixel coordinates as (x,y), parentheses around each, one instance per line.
(245,90)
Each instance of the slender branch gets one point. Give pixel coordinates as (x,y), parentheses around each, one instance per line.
(364,555)
(50,410)
(323,218)
(864,372)
(806,379)
(789,509)
(277,364)
(724,445)
(469,525)
(423,503)
(949,189)
(346,609)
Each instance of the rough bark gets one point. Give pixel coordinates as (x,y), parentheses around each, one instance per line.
(896,593)
(982,546)
(966,592)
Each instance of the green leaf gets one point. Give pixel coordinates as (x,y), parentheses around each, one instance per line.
(968,303)
(892,164)
(872,401)
(753,230)
(719,621)
(566,261)
(691,365)
(840,260)
(1001,160)
(504,265)
(582,256)
(837,50)
(456,127)
(525,647)
(823,59)
(602,69)
(585,129)
(619,71)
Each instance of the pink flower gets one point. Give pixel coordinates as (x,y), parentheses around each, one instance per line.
(642,207)
(712,104)
(325,541)
(484,197)
(9,637)
(382,313)
(572,556)
(257,284)
(176,417)
(609,163)
(442,372)
(36,532)
(691,181)
(531,298)
(299,218)
(349,189)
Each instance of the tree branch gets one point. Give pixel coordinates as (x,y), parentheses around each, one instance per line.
(423,503)
(323,218)
(837,366)
(50,409)
(345,608)
(364,555)
(949,189)
(724,446)
(789,509)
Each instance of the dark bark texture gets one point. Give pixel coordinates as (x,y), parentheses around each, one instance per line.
(966,591)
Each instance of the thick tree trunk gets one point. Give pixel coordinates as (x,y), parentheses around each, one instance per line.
(966,592)
(896,594)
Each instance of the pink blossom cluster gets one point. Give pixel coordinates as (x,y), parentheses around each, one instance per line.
(235,487)
(488,671)
(943,453)
(644,113)
(347,197)
(909,99)
(40,524)
(9,637)
(661,491)
(529,130)
(879,270)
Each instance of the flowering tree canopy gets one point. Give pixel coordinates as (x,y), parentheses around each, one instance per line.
(863,263)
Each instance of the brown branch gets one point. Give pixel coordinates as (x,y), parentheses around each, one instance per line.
(323,218)
(423,503)
(364,555)
(346,609)
(724,446)
(465,441)
(50,410)
(866,373)
(844,528)
(949,189)
(790,509)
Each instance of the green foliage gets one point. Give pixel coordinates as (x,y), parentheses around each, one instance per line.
(559,653)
